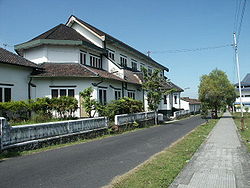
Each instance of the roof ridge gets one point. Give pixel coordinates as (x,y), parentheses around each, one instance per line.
(89,69)
(55,28)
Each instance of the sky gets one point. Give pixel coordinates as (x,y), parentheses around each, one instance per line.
(158,26)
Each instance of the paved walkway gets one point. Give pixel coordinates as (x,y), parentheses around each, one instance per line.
(221,162)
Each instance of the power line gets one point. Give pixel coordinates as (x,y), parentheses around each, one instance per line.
(192,49)
(241,19)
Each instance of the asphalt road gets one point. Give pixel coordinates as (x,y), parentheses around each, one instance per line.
(92,164)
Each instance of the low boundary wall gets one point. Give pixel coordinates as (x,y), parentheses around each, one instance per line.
(181,113)
(14,136)
(130,118)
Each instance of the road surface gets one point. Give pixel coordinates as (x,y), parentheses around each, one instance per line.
(92,164)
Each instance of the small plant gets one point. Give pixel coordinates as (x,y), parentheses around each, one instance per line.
(247,109)
(135,124)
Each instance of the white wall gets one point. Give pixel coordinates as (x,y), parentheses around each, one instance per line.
(36,55)
(43,88)
(176,105)
(19,77)
(88,35)
(185,105)
(62,54)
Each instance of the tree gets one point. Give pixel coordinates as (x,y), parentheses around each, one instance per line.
(216,91)
(153,84)
(88,103)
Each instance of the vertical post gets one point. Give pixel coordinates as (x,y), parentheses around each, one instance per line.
(238,75)
(2,121)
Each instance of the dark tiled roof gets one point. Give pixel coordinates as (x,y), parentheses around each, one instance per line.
(109,37)
(170,85)
(13,59)
(72,70)
(104,74)
(61,32)
(131,77)
(63,70)
(191,101)
(246,80)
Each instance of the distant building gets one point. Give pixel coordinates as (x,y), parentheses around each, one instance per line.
(193,105)
(245,93)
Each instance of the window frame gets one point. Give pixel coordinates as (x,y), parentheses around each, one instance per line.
(102,99)
(83,57)
(4,97)
(131,94)
(117,94)
(95,61)
(111,54)
(59,92)
(123,61)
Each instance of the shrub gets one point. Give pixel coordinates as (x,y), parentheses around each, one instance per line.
(65,106)
(15,110)
(124,105)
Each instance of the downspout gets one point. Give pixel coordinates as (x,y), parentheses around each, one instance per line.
(29,88)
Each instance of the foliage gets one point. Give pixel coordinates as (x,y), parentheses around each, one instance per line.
(65,106)
(42,108)
(124,105)
(161,170)
(246,109)
(153,84)
(216,91)
(88,103)
(15,110)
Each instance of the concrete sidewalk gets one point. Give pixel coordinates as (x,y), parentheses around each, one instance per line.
(221,162)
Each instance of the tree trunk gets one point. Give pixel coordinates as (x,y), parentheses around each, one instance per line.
(156,117)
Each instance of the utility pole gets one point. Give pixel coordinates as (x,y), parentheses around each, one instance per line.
(238,74)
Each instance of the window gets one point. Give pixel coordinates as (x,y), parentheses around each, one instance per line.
(175,99)
(5,94)
(95,61)
(111,54)
(165,99)
(134,66)
(141,67)
(117,94)
(123,61)
(102,96)
(150,71)
(55,93)
(83,58)
(131,94)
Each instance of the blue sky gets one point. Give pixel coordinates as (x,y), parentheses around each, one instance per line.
(146,25)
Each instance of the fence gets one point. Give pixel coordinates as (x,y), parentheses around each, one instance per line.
(181,113)
(26,134)
(130,118)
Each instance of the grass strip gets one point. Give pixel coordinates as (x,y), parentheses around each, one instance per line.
(245,134)
(161,169)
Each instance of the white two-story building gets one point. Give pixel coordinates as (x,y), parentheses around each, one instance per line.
(245,94)
(76,55)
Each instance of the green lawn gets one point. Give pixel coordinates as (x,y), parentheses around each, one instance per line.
(161,169)
(245,135)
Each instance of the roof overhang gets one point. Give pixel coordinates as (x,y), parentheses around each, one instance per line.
(133,51)
(31,44)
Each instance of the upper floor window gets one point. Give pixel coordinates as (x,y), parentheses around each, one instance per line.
(102,96)
(123,61)
(111,54)
(142,67)
(95,61)
(55,93)
(165,99)
(150,70)
(82,57)
(5,94)
(131,94)
(134,65)
(175,99)
(117,94)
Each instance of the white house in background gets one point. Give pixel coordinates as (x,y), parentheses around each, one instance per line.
(14,76)
(193,105)
(77,55)
(245,92)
